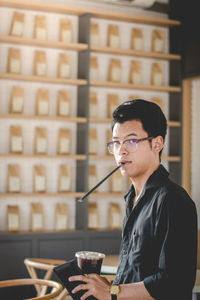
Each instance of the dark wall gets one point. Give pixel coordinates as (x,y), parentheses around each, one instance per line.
(185,39)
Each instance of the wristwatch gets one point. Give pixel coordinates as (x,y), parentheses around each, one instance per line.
(114,291)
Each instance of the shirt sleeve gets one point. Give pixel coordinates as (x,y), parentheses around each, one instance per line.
(176,234)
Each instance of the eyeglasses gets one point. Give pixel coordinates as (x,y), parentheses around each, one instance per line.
(130,144)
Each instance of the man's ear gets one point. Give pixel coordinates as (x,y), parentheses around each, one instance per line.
(157,144)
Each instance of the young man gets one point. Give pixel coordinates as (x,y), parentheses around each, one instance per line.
(159,236)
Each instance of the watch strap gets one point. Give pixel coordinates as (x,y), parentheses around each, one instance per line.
(113,297)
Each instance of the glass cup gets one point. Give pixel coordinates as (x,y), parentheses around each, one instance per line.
(89,261)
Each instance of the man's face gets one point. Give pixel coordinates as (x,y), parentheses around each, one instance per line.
(143,158)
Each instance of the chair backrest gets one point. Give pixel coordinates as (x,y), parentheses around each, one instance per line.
(47,265)
(56,287)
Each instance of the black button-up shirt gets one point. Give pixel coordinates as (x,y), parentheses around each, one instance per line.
(159,239)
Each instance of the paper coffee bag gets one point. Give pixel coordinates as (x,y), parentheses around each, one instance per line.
(94,34)
(14,60)
(64,138)
(65,31)
(16,142)
(113,36)
(114,216)
(93,107)
(61,217)
(40,65)
(116,184)
(158,41)
(17,24)
(64,180)
(37,217)
(64,69)
(40,28)
(93,216)
(137,39)
(13,220)
(40,140)
(17,100)
(157,74)
(63,103)
(94,68)
(13,180)
(42,102)
(112,103)
(135,72)
(39,182)
(158,101)
(114,73)
(93,141)
(92,177)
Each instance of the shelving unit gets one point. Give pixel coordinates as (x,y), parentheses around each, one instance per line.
(51,243)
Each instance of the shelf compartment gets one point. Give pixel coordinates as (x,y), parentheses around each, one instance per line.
(109,157)
(130,52)
(40,43)
(78,11)
(46,156)
(123,85)
(42,195)
(42,79)
(108,120)
(45,118)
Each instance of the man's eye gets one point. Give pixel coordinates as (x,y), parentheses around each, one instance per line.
(116,143)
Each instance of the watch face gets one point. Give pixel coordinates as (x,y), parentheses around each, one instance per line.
(114,289)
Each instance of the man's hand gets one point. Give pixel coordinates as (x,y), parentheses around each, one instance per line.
(95,285)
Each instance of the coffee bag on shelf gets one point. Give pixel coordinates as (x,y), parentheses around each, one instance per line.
(93,216)
(64,139)
(157,74)
(64,180)
(137,39)
(114,216)
(94,34)
(42,102)
(93,107)
(135,72)
(116,184)
(16,142)
(37,217)
(158,41)
(14,60)
(39,182)
(40,140)
(65,31)
(61,217)
(17,24)
(94,68)
(17,100)
(113,40)
(64,68)
(92,176)
(114,73)
(93,141)
(40,65)
(13,218)
(158,101)
(133,97)
(112,103)
(13,180)
(40,28)
(63,103)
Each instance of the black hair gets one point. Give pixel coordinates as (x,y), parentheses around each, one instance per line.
(150,114)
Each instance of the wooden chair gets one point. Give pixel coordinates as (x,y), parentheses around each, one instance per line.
(47,265)
(56,287)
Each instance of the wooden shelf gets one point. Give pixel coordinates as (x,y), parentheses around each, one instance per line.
(42,79)
(123,85)
(109,157)
(108,194)
(40,43)
(108,120)
(46,156)
(42,195)
(45,118)
(102,14)
(129,52)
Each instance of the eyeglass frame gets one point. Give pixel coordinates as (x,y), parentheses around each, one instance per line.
(148,138)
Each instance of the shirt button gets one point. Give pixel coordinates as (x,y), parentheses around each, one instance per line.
(124,252)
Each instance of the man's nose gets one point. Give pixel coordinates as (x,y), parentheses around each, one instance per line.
(122,149)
